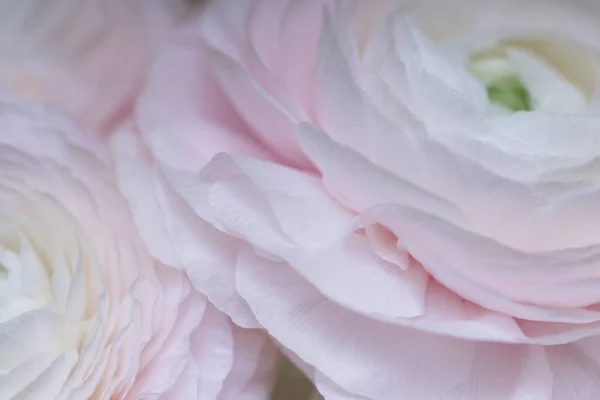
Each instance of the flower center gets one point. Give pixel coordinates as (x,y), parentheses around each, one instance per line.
(23,288)
(504,87)
(29,285)
(519,79)
(3,273)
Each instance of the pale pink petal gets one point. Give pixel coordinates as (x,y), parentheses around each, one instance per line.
(362,185)
(212,351)
(172,232)
(251,375)
(540,373)
(486,269)
(262,110)
(165,365)
(365,357)
(238,197)
(509,372)
(243,72)
(281,40)
(182,113)
(333,342)
(253,200)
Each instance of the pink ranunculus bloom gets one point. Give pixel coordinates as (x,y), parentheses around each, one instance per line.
(404,194)
(86,58)
(85,312)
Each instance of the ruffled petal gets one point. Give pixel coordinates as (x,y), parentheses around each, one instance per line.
(365,357)
(173,233)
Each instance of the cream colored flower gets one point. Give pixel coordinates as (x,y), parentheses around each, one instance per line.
(85,313)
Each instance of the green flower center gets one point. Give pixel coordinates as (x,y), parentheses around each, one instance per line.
(504,86)
(510,92)
(519,78)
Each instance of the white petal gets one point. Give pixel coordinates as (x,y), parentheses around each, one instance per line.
(550,90)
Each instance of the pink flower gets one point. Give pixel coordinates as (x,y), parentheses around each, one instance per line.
(85,312)
(411,219)
(86,58)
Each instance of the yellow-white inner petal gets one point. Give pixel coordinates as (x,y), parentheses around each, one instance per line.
(549,89)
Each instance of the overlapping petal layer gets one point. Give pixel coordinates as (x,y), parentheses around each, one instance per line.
(382,221)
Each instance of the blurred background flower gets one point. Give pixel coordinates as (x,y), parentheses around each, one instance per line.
(86,58)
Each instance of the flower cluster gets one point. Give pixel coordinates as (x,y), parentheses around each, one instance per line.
(398,196)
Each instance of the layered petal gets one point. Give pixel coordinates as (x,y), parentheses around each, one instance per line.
(397,233)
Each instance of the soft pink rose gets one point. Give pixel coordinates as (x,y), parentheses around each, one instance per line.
(85,312)
(338,177)
(87,58)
